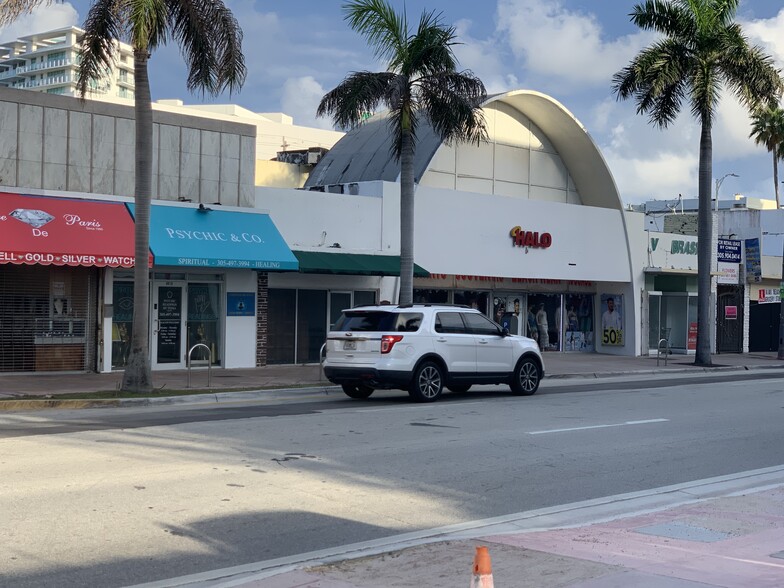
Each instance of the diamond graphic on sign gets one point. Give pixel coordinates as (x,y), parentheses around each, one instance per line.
(34,218)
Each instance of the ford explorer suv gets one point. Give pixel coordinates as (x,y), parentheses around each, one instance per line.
(423,348)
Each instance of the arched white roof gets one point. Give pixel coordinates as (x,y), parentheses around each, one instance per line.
(364,154)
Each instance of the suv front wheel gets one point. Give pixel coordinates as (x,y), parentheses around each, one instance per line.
(427,383)
(526,377)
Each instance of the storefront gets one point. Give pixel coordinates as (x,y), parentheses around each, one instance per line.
(208,288)
(303,305)
(53,252)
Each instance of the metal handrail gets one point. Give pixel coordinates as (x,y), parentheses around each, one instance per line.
(659,351)
(209,363)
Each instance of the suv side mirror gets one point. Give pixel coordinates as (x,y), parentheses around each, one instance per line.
(504,332)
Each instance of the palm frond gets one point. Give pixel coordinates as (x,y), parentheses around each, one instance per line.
(10,10)
(705,83)
(147,23)
(767,127)
(430,50)
(655,79)
(377,21)
(401,120)
(748,71)
(101,27)
(210,40)
(450,100)
(359,92)
(665,17)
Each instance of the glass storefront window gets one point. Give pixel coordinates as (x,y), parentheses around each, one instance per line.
(122,323)
(546,309)
(203,325)
(431,296)
(508,311)
(473,299)
(311,324)
(578,332)
(364,297)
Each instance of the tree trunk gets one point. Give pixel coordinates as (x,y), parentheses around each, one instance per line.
(406,217)
(704,243)
(138,374)
(776,175)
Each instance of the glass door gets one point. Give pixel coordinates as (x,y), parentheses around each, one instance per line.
(168,335)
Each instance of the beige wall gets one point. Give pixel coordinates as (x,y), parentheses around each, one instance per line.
(55,142)
(276,174)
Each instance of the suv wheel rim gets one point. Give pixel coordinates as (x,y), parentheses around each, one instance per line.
(529,376)
(429,382)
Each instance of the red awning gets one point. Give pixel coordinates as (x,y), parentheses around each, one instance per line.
(65,231)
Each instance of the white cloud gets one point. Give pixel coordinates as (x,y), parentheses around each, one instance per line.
(42,19)
(485,59)
(768,33)
(558,44)
(300,99)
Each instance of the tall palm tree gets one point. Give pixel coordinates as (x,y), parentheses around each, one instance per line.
(211,42)
(421,83)
(701,50)
(767,128)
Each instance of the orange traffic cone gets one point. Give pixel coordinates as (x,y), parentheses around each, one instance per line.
(482,575)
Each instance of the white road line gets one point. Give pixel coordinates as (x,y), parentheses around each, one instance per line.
(599,426)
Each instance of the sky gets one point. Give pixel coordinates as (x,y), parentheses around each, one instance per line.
(568,49)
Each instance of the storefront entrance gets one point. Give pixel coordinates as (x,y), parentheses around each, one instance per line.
(183,315)
(729,319)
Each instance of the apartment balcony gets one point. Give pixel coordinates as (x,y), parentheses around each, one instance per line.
(36,67)
(48,82)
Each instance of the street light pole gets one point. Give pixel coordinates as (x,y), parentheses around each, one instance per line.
(718,185)
(780,354)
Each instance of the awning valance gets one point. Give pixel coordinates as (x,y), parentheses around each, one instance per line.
(211,237)
(323,262)
(50,230)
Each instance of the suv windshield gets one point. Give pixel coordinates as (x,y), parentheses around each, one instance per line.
(377,320)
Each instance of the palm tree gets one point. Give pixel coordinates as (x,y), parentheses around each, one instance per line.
(421,84)
(10,10)
(767,128)
(210,39)
(701,50)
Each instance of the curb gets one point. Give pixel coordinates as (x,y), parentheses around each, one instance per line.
(229,396)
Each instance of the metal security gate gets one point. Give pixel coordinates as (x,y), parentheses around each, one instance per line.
(47,318)
(729,319)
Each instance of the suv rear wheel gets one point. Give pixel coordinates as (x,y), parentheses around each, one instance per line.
(427,383)
(526,377)
(357,390)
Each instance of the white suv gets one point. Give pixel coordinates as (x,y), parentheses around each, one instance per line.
(423,348)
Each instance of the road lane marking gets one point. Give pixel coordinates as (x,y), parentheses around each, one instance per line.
(627,423)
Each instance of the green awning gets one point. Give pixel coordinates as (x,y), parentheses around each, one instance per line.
(322,262)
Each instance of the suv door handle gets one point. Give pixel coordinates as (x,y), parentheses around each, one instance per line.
(483,341)
(441,339)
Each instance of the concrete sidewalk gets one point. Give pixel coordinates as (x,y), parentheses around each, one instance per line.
(726,531)
(557,365)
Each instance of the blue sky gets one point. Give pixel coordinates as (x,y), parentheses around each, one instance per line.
(569,49)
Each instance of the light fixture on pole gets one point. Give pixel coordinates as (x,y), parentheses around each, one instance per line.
(718,185)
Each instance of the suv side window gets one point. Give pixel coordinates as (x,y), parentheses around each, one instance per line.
(480,325)
(450,323)
(408,322)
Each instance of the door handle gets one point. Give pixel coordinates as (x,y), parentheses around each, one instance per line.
(483,341)
(441,340)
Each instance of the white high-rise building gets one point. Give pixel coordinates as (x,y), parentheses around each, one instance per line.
(48,62)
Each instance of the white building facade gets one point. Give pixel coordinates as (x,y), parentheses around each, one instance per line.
(49,62)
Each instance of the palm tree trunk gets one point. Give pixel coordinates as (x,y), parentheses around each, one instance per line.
(406,218)
(138,374)
(776,175)
(704,241)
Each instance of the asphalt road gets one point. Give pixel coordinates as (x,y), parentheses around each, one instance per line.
(119,497)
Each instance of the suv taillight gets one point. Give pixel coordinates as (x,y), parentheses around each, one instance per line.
(388,342)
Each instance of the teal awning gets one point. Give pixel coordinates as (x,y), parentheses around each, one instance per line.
(211,237)
(323,262)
